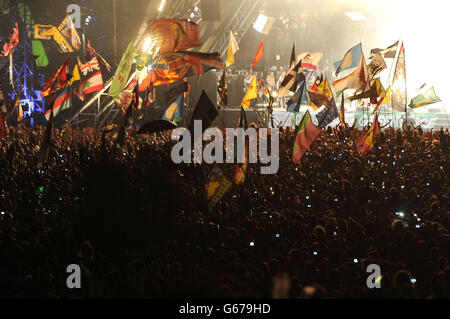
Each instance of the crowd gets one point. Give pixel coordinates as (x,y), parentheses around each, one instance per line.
(139,225)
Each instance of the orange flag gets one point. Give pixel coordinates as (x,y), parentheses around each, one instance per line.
(259,53)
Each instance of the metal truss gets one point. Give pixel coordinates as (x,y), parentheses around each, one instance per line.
(239,21)
(26,79)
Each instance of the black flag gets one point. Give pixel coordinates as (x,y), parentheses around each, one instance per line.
(222,89)
(204,111)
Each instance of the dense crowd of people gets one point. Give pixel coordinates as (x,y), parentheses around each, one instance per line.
(139,225)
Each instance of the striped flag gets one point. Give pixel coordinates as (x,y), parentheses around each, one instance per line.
(58,81)
(307,133)
(89,66)
(93,84)
(192,63)
(366,142)
(62,102)
(8,48)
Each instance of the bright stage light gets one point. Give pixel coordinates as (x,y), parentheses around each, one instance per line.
(147,45)
(161,6)
(356,16)
(263,24)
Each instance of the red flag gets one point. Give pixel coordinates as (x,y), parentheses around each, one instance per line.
(158,77)
(8,48)
(192,63)
(2,126)
(259,53)
(93,84)
(58,81)
(89,66)
(367,141)
(174,34)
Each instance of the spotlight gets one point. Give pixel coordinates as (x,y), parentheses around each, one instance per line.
(161,6)
(263,24)
(147,44)
(356,16)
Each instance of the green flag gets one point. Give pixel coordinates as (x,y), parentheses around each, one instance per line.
(429,97)
(123,71)
(39,52)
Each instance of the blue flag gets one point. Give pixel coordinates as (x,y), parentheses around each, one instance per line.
(175,111)
(351,59)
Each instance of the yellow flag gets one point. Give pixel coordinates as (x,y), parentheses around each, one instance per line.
(232,49)
(75,75)
(252,93)
(387,99)
(19,112)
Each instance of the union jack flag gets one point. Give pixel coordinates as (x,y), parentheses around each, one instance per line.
(192,63)
(8,48)
(89,66)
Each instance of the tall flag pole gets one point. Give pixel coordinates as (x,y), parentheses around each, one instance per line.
(342,111)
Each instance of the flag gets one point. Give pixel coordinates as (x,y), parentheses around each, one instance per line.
(342,110)
(48,32)
(19,112)
(75,75)
(429,97)
(47,141)
(310,60)
(125,120)
(16,103)
(231,51)
(204,111)
(259,53)
(175,110)
(327,115)
(240,171)
(68,30)
(376,90)
(58,81)
(145,77)
(351,59)
(123,71)
(174,34)
(357,80)
(39,52)
(291,80)
(142,61)
(367,141)
(192,63)
(157,78)
(93,84)
(293,59)
(126,96)
(376,65)
(386,99)
(8,48)
(399,101)
(216,186)
(388,53)
(222,90)
(62,102)
(323,95)
(293,105)
(306,134)
(177,90)
(251,94)
(2,126)
(92,52)
(89,66)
